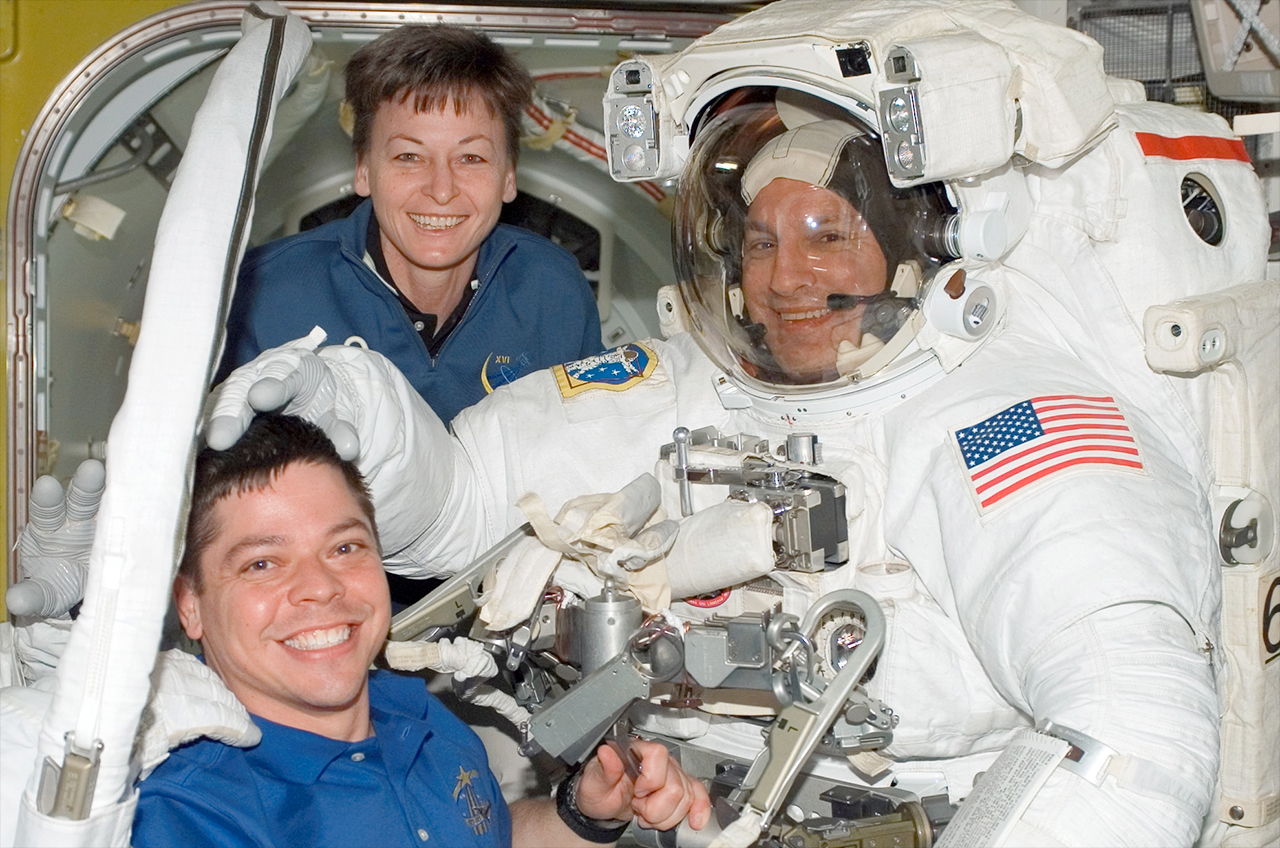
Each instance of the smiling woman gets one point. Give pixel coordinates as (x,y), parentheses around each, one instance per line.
(438,180)
(122,117)
(422,272)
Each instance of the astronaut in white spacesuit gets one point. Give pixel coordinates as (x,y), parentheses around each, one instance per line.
(1050,559)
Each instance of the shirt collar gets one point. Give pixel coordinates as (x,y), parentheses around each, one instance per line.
(495,248)
(431,328)
(299,756)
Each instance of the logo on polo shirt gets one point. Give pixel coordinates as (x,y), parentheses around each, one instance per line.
(500,369)
(477,810)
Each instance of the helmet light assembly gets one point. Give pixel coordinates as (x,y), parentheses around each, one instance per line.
(631,124)
(900,117)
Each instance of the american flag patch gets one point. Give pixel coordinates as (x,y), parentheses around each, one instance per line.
(1040,437)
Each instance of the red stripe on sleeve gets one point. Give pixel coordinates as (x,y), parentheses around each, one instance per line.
(1192,147)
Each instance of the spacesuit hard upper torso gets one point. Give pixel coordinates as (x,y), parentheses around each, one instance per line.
(988,587)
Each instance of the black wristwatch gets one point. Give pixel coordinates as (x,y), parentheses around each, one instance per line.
(592,830)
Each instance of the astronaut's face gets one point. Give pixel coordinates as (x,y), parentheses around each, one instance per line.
(295,604)
(438,181)
(803,243)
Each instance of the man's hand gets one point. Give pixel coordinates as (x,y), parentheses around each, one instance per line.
(659,798)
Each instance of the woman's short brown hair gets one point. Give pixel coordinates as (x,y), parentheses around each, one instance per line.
(434,64)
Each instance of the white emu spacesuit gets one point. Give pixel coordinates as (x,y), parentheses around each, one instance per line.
(1029,501)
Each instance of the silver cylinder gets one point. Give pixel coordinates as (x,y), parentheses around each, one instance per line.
(603,626)
(804,448)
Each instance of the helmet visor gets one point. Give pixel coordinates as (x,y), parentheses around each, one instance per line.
(799,261)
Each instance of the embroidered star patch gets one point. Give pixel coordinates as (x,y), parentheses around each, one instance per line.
(1041,437)
(477,816)
(615,370)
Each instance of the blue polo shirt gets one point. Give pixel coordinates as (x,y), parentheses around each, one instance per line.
(423,779)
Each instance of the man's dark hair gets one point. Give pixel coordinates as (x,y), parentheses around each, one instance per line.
(434,64)
(272,443)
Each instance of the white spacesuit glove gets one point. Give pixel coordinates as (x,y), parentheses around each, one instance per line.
(592,537)
(53,562)
(188,701)
(289,378)
(724,545)
(625,537)
(53,549)
(423,488)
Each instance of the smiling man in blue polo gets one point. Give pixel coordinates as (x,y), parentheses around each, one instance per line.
(282,584)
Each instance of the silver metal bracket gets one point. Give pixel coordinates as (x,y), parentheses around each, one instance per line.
(573,726)
(66,791)
(455,599)
(810,528)
(1086,757)
(799,728)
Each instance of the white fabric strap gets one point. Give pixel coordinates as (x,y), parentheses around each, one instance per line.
(1150,778)
(1094,761)
(466,660)
(1250,812)
(741,832)
(500,702)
